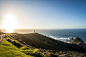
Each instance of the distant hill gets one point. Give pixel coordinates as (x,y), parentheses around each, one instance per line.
(40,41)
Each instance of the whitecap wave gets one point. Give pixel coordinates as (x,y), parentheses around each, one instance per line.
(85,42)
(60,38)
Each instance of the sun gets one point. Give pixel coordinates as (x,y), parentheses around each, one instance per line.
(9,23)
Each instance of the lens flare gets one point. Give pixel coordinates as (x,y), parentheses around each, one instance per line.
(9,23)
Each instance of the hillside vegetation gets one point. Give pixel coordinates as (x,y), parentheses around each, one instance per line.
(9,50)
(41,41)
(12,48)
(37,45)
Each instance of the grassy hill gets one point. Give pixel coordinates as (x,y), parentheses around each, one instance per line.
(34,44)
(12,48)
(9,50)
(41,41)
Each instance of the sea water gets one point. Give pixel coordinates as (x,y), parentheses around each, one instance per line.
(64,34)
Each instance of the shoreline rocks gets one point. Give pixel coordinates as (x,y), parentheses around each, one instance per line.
(78,41)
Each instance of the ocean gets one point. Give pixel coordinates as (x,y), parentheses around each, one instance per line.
(58,34)
(64,34)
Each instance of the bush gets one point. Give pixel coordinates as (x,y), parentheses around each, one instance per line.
(5,36)
(60,52)
(17,44)
(30,52)
(38,54)
(24,48)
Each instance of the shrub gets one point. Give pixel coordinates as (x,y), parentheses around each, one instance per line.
(5,36)
(25,48)
(33,52)
(14,42)
(60,52)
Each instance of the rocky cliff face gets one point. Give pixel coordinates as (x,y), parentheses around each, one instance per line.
(78,41)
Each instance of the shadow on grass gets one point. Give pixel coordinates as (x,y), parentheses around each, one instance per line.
(6,44)
(19,45)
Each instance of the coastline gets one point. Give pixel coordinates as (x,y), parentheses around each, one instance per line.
(57,34)
(66,40)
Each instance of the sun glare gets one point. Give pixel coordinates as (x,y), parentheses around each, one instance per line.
(9,23)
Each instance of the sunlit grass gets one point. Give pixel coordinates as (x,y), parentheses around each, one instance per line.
(16,49)
(9,50)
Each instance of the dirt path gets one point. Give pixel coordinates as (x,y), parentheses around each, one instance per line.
(1,39)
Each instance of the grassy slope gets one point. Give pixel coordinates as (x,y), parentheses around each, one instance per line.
(40,41)
(9,50)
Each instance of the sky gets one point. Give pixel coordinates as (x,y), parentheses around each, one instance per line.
(45,14)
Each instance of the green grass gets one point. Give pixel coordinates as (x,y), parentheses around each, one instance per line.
(12,48)
(33,52)
(15,42)
(9,50)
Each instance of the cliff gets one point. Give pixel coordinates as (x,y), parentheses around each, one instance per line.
(78,42)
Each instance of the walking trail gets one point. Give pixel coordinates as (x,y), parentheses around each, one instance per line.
(1,39)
